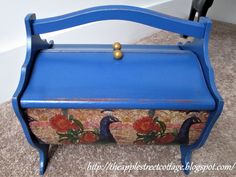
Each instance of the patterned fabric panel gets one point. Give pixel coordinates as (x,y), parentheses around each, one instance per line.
(134,126)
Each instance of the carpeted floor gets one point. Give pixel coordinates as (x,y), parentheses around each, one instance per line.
(18,158)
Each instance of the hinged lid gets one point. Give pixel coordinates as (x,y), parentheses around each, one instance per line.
(87,76)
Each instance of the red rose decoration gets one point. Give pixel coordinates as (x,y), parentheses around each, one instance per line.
(157,127)
(88,137)
(61,124)
(144,125)
(168,138)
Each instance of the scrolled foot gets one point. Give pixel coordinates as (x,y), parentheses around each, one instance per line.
(43,156)
(186,155)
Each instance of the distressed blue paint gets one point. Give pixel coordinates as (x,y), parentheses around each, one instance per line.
(34,44)
(200,48)
(134,14)
(184,62)
(160,79)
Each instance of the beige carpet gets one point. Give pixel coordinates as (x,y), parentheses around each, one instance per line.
(18,158)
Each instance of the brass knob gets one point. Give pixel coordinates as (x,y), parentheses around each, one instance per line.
(116,46)
(117,54)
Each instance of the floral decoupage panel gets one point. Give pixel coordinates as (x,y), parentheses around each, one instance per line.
(134,126)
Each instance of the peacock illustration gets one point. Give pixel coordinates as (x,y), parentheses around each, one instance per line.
(183,135)
(71,130)
(105,135)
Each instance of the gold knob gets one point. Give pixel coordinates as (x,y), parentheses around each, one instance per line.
(116,46)
(117,54)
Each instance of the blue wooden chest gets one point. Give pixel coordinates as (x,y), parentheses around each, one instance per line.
(124,94)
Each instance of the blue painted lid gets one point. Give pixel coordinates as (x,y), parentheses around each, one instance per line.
(87,76)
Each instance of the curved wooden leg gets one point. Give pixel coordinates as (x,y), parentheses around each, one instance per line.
(186,155)
(43,157)
(186,150)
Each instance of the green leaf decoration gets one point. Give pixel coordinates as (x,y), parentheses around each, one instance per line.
(175,132)
(61,134)
(139,138)
(141,135)
(74,140)
(147,138)
(162,124)
(65,112)
(156,119)
(151,112)
(70,132)
(63,139)
(70,117)
(96,131)
(71,135)
(77,122)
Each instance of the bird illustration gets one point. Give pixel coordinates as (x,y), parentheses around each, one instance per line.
(105,135)
(183,135)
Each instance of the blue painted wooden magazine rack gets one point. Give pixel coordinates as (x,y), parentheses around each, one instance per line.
(59,82)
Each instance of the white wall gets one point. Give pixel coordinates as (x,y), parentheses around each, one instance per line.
(177,8)
(13,37)
(12,13)
(223,10)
